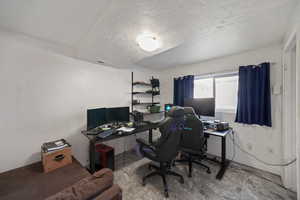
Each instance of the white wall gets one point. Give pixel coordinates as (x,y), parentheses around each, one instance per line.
(289,118)
(293,37)
(298,108)
(44,96)
(264,142)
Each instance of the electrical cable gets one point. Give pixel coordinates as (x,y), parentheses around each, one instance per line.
(124,150)
(256,158)
(269,180)
(233,146)
(232,137)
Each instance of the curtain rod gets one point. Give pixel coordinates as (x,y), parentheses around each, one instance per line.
(231,71)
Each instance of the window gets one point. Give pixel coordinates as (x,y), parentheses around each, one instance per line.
(204,88)
(226,93)
(223,87)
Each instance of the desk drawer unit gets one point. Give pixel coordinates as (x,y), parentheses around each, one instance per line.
(56,159)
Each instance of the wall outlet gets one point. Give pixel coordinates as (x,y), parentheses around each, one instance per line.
(270,150)
(276,89)
(249,146)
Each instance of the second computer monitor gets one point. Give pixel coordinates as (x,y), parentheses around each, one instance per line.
(202,107)
(118,114)
(96,117)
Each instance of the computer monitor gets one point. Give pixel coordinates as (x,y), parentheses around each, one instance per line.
(202,107)
(118,114)
(96,117)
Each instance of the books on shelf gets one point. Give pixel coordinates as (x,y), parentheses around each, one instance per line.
(55,145)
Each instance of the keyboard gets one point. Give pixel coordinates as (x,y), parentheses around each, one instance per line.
(106,133)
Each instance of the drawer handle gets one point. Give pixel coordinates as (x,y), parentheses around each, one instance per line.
(59,157)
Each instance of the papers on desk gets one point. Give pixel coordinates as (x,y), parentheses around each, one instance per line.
(157,121)
(126,129)
(217,133)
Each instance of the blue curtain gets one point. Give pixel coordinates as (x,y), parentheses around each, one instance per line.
(183,88)
(254,95)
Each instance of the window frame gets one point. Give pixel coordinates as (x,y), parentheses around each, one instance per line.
(214,76)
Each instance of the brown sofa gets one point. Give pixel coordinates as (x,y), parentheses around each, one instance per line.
(98,186)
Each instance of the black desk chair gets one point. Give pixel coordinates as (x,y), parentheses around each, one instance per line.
(166,148)
(194,143)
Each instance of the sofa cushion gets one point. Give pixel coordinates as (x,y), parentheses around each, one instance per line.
(87,188)
(113,193)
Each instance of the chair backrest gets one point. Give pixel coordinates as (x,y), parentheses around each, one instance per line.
(168,144)
(193,137)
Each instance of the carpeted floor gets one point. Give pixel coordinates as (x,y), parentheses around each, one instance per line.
(239,183)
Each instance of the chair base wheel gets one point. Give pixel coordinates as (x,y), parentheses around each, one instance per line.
(163,170)
(166,194)
(181,181)
(208,171)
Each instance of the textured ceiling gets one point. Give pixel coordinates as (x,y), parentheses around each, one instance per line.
(190,30)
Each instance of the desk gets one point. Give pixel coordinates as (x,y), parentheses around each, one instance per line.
(224,162)
(93,140)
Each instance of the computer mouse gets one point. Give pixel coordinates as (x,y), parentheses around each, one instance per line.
(119,132)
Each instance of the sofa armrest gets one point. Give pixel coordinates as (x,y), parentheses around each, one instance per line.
(87,188)
(113,193)
(103,172)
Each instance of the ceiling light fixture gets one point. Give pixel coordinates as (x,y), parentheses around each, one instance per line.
(147,42)
(100,62)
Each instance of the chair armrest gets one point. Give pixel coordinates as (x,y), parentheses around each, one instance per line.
(87,188)
(144,143)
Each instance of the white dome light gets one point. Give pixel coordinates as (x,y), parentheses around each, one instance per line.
(147,42)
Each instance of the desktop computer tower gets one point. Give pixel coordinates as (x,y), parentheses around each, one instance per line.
(104,157)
